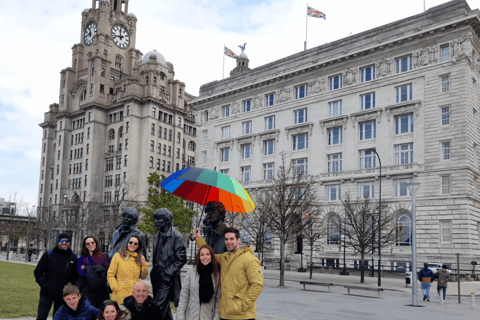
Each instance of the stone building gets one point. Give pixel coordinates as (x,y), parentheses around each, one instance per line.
(409,90)
(121,115)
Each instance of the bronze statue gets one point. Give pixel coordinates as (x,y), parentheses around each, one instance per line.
(124,231)
(169,256)
(214,227)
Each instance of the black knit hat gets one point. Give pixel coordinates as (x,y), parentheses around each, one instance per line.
(425,264)
(64,236)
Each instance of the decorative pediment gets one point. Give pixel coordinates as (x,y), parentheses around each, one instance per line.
(269,134)
(334,122)
(404,107)
(249,138)
(225,143)
(365,115)
(299,128)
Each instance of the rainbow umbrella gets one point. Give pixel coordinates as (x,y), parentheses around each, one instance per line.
(202,186)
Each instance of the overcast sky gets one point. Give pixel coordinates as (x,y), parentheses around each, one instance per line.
(37,37)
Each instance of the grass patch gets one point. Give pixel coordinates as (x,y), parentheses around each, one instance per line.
(19,293)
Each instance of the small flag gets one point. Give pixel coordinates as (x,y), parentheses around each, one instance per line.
(315,13)
(230,53)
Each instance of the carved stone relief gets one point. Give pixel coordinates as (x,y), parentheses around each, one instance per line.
(196,114)
(383,67)
(425,56)
(461,48)
(350,76)
(283,95)
(257,102)
(317,85)
(236,107)
(214,113)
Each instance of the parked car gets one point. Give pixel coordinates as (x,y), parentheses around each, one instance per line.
(435,266)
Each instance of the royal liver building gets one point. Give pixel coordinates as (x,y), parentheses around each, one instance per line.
(409,90)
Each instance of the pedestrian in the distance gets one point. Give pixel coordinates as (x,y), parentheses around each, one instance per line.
(425,276)
(442,276)
(128,266)
(200,295)
(92,269)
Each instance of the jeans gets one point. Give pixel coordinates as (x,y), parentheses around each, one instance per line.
(426,289)
(45,304)
(444,291)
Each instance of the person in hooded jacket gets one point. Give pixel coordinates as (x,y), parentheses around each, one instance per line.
(425,276)
(128,266)
(56,268)
(75,307)
(92,269)
(200,295)
(141,305)
(241,277)
(442,276)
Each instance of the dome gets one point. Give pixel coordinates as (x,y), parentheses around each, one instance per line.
(243,55)
(160,58)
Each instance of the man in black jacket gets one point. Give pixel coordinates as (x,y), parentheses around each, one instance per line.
(56,268)
(141,305)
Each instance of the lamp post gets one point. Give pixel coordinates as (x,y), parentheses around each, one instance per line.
(344,272)
(413,188)
(379,272)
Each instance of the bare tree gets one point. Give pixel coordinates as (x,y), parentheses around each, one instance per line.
(256,224)
(361,226)
(11,224)
(284,201)
(313,230)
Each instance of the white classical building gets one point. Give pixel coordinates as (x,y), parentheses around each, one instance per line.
(409,90)
(121,115)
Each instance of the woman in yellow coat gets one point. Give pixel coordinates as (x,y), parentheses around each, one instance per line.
(128,266)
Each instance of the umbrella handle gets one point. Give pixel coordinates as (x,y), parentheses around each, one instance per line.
(203,210)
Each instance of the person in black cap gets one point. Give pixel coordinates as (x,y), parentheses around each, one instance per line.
(56,268)
(425,276)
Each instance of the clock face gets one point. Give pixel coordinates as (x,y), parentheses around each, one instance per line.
(120,36)
(90,32)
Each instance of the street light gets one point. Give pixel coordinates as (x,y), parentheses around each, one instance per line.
(344,272)
(413,188)
(379,272)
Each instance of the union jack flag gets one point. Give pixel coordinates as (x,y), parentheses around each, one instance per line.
(230,53)
(315,13)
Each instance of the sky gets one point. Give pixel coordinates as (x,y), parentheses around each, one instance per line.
(37,37)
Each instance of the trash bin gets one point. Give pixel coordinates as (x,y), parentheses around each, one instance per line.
(408,279)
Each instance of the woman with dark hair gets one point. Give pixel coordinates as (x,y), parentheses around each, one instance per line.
(92,269)
(110,310)
(127,268)
(200,295)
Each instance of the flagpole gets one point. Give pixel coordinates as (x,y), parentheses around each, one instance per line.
(306,29)
(223,70)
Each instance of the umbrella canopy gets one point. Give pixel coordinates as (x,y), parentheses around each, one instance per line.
(203,185)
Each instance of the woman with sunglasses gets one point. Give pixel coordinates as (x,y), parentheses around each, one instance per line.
(200,295)
(127,268)
(110,310)
(92,269)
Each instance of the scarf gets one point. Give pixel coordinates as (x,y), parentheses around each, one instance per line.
(206,283)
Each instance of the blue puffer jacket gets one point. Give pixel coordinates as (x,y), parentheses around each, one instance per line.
(85,311)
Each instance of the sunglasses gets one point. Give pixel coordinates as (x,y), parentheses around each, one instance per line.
(64,241)
(134,243)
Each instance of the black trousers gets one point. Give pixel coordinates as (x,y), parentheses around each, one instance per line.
(161,292)
(45,304)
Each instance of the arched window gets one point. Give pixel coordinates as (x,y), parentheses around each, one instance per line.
(120,132)
(191,146)
(83,95)
(333,230)
(146,79)
(404,230)
(102,73)
(111,134)
(93,71)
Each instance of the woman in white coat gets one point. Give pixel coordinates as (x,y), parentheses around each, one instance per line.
(200,295)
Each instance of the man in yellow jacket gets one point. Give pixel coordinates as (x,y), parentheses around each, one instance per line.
(241,277)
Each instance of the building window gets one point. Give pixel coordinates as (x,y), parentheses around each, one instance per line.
(179,137)
(300,166)
(446,231)
(111,134)
(127,127)
(118,163)
(247,106)
(154,113)
(300,116)
(335,82)
(159,148)
(125,161)
(400,187)
(245,173)
(403,64)
(225,154)
(445,51)
(247,127)
(404,153)
(446,184)
(300,141)
(334,136)
(367,159)
(335,162)
(301,92)
(404,124)
(270,123)
(269,147)
(445,116)
(333,192)
(445,83)
(86,164)
(169,151)
(151,162)
(126,144)
(366,190)
(335,108)
(226,132)
(268,171)
(224,171)
(368,130)
(404,230)
(270,100)
(333,230)
(152,131)
(404,93)
(367,101)
(446,150)
(226,111)
(204,156)
(169,135)
(367,74)
(246,151)
(152,145)
(178,153)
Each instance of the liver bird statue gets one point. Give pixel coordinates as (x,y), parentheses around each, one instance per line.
(242,47)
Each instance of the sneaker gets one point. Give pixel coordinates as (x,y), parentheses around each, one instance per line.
(428,299)
(424,298)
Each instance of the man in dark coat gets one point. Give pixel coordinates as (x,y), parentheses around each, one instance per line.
(141,305)
(214,227)
(56,268)
(127,229)
(425,276)
(169,256)
(75,307)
